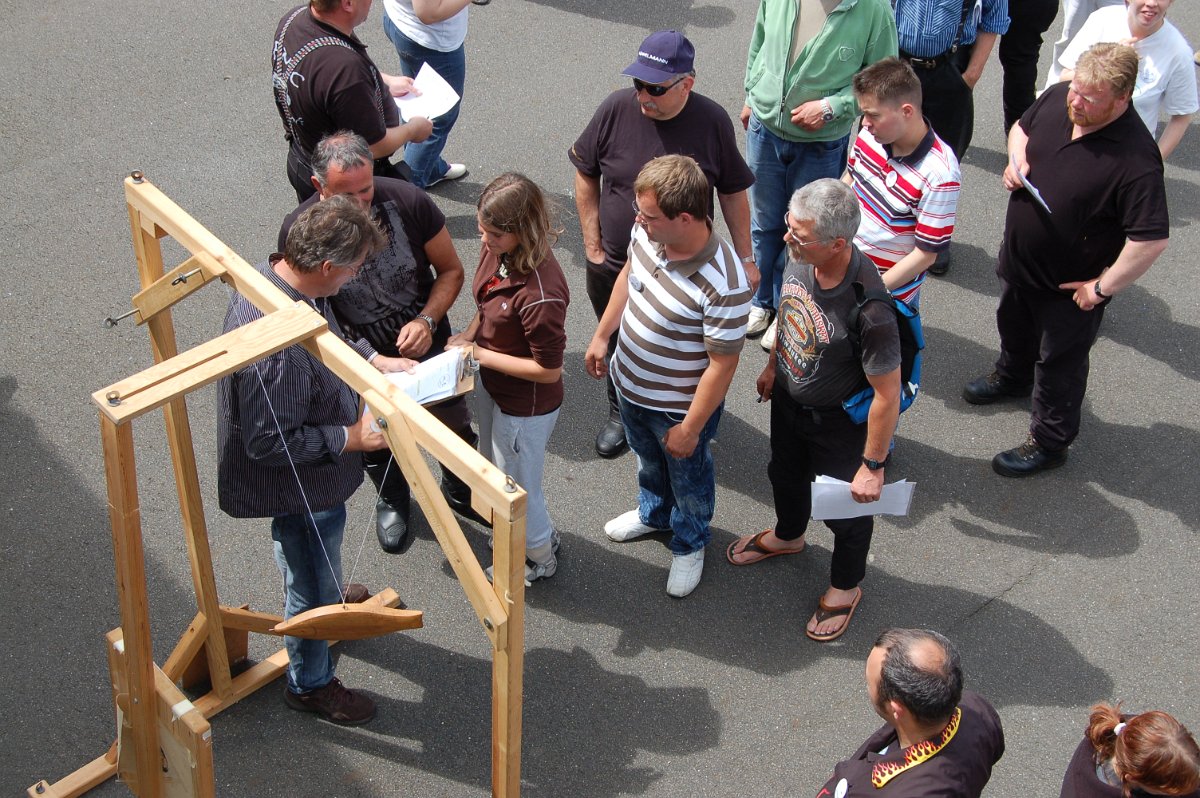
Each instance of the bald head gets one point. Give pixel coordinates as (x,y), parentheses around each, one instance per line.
(920,669)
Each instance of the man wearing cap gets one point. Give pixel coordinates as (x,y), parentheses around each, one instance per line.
(662,115)
(798,113)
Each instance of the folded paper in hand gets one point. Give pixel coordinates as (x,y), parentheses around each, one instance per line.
(831,499)
(436,97)
(438,378)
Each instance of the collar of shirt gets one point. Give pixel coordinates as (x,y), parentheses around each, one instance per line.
(922,149)
(688,266)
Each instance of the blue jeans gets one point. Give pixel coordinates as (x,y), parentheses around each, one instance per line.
(311,565)
(517,445)
(674,494)
(425,157)
(780,168)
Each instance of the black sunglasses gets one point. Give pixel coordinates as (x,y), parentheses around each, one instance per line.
(655,89)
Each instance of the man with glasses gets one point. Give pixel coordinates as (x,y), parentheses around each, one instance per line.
(681,302)
(1097,224)
(812,368)
(397,306)
(798,114)
(662,115)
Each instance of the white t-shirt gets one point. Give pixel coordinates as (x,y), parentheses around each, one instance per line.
(1166,81)
(444,36)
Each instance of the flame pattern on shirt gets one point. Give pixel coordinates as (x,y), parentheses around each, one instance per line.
(883,772)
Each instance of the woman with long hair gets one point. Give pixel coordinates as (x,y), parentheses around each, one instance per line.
(519,337)
(1133,756)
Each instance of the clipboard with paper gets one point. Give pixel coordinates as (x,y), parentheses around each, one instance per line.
(445,376)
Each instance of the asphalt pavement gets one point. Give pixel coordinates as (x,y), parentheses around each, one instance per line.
(1069,588)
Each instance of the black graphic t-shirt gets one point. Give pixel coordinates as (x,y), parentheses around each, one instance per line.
(815,359)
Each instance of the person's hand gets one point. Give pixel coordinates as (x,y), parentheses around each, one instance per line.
(458,339)
(752,275)
(745,117)
(971,77)
(1083,293)
(414,339)
(419,128)
(1012,179)
(765,384)
(596,358)
(593,252)
(809,116)
(867,485)
(361,438)
(679,442)
(401,86)
(391,364)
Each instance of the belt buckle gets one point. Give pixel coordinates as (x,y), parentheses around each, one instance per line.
(924,63)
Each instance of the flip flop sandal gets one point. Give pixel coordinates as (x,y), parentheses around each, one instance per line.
(753,545)
(825,612)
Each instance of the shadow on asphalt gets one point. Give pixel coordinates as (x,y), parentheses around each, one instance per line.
(661,15)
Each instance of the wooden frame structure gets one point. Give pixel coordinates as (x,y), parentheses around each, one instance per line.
(164,743)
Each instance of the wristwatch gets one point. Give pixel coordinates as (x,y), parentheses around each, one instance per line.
(826,110)
(425,317)
(1096,290)
(748,259)
(875,465)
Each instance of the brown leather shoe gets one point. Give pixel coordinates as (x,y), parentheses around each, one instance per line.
(334,703)
(355,593)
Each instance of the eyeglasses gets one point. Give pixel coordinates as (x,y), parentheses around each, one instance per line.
(790,235)
(655,89)
(645,216)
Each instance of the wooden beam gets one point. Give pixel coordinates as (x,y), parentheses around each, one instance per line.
(508,662)
(208,362)
(176,285)
(128,554)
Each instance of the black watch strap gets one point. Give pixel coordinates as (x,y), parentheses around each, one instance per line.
(875,465)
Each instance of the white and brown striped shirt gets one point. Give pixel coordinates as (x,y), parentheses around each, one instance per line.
(678,312)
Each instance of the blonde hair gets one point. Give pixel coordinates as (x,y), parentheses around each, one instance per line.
(1109,64)
(512,203)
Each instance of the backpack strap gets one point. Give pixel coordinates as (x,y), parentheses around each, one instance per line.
(861,297)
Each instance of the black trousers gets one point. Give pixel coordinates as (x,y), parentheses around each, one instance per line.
(600,282)
(1045,340)
(1020,49)
(947,100)
(806,442)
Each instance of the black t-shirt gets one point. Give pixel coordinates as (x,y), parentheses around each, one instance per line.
(1102,189)
(324,82)
(815,359)
(394,285)
(620,140)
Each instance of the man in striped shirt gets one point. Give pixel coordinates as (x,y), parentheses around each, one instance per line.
(905,176)
(681,301)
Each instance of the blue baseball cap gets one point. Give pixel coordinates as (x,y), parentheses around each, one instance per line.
(662,56)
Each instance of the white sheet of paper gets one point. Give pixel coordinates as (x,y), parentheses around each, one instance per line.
(433,380)
(831,499)
(436,98)
(1030,187)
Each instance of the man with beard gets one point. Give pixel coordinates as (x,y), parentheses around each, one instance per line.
(1100,223)
(812,368)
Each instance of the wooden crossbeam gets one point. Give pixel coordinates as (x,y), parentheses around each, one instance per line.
(176,285)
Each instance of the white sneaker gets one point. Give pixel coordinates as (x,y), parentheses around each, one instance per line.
(760,319)
(768,339)
(457,171)
(685,573)
(628,526)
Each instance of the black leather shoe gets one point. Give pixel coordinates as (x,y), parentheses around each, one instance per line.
(1027,459)
(610,442)
(458,496)
(941,264)
(391,526)
(993,388)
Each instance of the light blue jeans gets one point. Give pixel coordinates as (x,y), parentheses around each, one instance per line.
(425,157)
(780,168)
(517,445)
(675,494)
(311,564)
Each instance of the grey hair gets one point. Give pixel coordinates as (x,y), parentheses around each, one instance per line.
(344,149)
(831,207)
(337,230)
(930,690)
